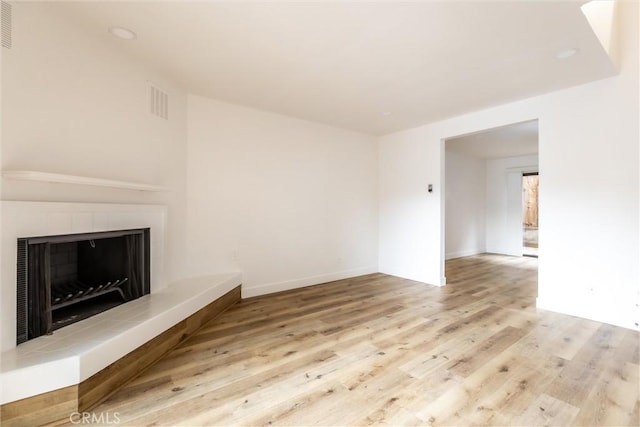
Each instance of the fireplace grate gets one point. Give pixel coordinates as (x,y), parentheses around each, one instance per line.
(78,291)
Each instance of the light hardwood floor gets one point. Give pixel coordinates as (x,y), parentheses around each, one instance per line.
(382,350)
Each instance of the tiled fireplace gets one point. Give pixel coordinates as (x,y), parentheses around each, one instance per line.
(70,353)
(47,222)
(79,352)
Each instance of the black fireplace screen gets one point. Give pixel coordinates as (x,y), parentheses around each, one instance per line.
(65,279)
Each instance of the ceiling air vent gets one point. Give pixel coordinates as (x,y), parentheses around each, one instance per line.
(6,24)
(158,102)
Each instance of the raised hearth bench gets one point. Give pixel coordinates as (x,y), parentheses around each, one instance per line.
(50,377)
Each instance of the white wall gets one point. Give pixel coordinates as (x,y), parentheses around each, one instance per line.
(465,190)
(409,232)
(504,207)
(288,202)
(589,191)
(1,234)
(74,103)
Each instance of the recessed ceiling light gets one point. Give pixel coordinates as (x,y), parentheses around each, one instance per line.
(386,113)
(566,53)
(122,33)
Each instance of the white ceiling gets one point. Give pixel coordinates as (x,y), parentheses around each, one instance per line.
(518,139)
(345,63)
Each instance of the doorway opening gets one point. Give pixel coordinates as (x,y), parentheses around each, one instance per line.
(483,203)
(530,192)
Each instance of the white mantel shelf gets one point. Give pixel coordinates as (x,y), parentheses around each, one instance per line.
(79,180)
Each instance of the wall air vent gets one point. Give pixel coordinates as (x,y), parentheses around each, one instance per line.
(158,102)
(6,24)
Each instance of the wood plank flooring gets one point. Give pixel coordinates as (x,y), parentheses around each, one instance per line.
(380,350)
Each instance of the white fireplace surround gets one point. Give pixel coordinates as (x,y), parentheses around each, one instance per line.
(30,219)
(74,353)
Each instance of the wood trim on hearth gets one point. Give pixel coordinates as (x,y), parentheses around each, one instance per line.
(58,405)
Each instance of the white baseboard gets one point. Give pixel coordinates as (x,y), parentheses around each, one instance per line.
(623,313)
(270,288)
(460,254)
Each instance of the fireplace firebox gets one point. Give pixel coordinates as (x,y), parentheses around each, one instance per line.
(67,278)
